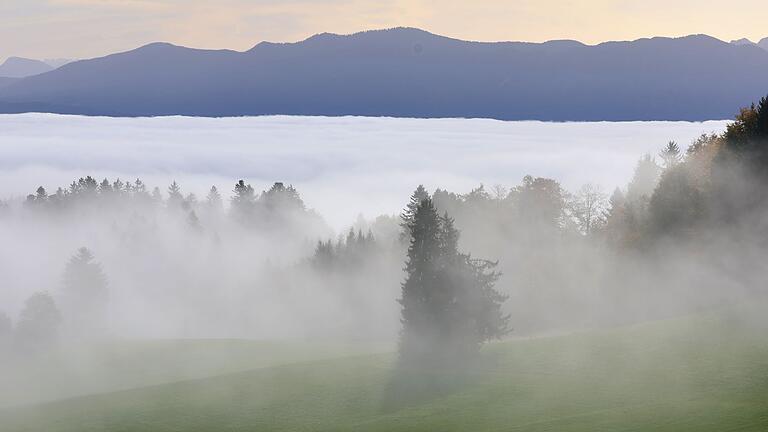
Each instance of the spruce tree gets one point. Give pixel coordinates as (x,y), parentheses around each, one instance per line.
(213,199)
(175,198)
(85,292)
(449,303)
(670,155)
(243,202)
(419,195)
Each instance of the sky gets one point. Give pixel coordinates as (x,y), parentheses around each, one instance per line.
(91,28)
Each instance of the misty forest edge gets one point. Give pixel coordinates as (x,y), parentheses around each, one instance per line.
(450,302)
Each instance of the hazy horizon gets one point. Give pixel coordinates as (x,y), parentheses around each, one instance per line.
(59,59)
(238,25)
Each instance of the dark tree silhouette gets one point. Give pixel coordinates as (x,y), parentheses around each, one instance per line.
(281,198)
(449,303)
(39,199)
(406,218)
(243,202)
(540,203)
(676,205)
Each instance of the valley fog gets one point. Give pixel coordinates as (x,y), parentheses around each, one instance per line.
(342,166)
(323,259)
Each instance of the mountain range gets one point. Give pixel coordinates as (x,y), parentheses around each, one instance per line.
(407,72)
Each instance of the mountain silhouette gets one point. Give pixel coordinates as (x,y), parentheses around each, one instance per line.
(407,72)
(744,41)
(17,67)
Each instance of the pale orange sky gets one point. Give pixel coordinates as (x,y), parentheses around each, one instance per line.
(90,28)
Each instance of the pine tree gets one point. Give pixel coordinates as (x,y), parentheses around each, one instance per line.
(676,205)
(644,179)
(118,186)
(419,195)
(213,199)
(140,193)
(85,292)
(670,155)
(243,202)
(281,198)
(449,303)
(105,188)
(175,198)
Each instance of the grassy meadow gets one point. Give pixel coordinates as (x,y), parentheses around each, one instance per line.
(707,372)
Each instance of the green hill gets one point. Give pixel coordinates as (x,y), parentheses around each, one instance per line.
(706,373)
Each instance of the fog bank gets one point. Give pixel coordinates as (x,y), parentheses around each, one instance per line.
(342,166)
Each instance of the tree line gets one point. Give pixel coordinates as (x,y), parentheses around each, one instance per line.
(542,238)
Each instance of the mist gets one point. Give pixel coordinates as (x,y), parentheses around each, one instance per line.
(348,171)
(343,166)
(302,240)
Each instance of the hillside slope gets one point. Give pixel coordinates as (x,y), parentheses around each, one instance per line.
(695,374)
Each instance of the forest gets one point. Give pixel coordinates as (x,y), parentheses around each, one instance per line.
(99,259)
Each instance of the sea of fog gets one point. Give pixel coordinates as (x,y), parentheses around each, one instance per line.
(343,166)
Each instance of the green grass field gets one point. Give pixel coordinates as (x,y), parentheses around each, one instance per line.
(702,373)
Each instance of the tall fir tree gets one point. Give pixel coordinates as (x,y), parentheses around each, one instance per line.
(175,198)
(670,155)
(213,199)
(450,306)
(419,195)
(85,293)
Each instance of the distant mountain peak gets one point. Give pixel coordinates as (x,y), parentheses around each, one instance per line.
(20,67)
(763,43)
(158,45)
(742,41)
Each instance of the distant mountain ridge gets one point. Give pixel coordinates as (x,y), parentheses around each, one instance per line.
(18,67)
(408,72)
(763,43)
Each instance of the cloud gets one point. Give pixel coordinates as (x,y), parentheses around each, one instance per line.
(342,166)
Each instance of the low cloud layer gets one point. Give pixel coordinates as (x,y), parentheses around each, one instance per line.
(341,166)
